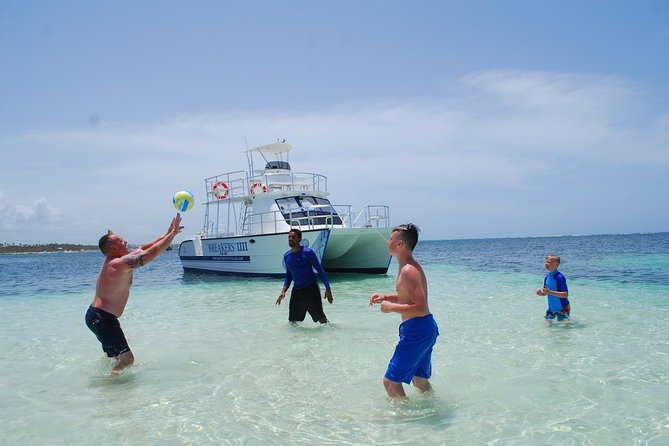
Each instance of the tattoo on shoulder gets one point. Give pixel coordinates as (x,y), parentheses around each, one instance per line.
(134,261)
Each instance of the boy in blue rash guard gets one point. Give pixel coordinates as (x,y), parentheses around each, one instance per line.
(306,295)
(555,287)
(412,360)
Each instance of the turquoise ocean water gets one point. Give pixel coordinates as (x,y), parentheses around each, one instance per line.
(218,363)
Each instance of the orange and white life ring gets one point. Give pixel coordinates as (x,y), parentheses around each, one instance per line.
(220,190)
(258,185)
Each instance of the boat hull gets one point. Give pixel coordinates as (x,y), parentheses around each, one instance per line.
(357,250)
(259,255)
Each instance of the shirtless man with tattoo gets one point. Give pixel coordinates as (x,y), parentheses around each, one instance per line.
(113,289)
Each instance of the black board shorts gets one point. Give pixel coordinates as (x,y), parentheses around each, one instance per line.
(107,329)
(303,300)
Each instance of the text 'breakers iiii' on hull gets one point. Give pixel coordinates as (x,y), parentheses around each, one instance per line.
(248,215)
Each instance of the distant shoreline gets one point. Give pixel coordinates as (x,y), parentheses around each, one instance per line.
(12,248)
(25,248)
(19,248)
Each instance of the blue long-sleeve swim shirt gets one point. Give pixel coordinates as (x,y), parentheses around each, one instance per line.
(300,268)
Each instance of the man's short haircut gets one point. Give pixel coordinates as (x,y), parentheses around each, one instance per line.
(297,232)
(103,244)
(408,233)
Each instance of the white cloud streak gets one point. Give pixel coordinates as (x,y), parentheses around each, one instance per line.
(497,139)
(39,214)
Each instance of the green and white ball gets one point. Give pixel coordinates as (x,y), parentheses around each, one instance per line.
(183,201)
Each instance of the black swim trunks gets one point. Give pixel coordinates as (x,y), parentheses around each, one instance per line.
(306,299)
(108,331)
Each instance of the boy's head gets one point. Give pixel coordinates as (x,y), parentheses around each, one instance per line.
(408,233)
(552,262)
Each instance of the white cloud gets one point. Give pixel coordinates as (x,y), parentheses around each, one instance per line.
(582,116)
(39,214)
(504,138)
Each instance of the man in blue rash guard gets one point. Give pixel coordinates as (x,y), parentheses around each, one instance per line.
(555,287)
(306,295)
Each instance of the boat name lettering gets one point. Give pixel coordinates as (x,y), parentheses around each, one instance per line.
(224,248)
(221,248)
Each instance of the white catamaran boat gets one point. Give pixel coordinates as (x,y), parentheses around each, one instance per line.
(249,213)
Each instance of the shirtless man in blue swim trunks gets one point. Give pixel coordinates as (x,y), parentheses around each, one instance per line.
(412,361)
(113,289)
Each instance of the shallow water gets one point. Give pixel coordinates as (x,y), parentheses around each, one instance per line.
(218,363)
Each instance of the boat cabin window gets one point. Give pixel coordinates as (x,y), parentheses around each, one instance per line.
(307,210)
(278,165)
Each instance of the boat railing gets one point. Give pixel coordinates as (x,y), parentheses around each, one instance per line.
(376,216)
(373,216)
(264,223)
(274,221)
(226,186)
(281,180)
(238,185)
(345,212)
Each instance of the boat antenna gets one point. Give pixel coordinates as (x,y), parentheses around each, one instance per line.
(249,157)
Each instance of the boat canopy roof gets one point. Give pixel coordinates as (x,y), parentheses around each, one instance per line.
(272,149)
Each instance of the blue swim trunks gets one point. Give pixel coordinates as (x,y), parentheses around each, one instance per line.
(413,354)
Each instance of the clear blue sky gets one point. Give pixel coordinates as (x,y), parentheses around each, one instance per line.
(469,118)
